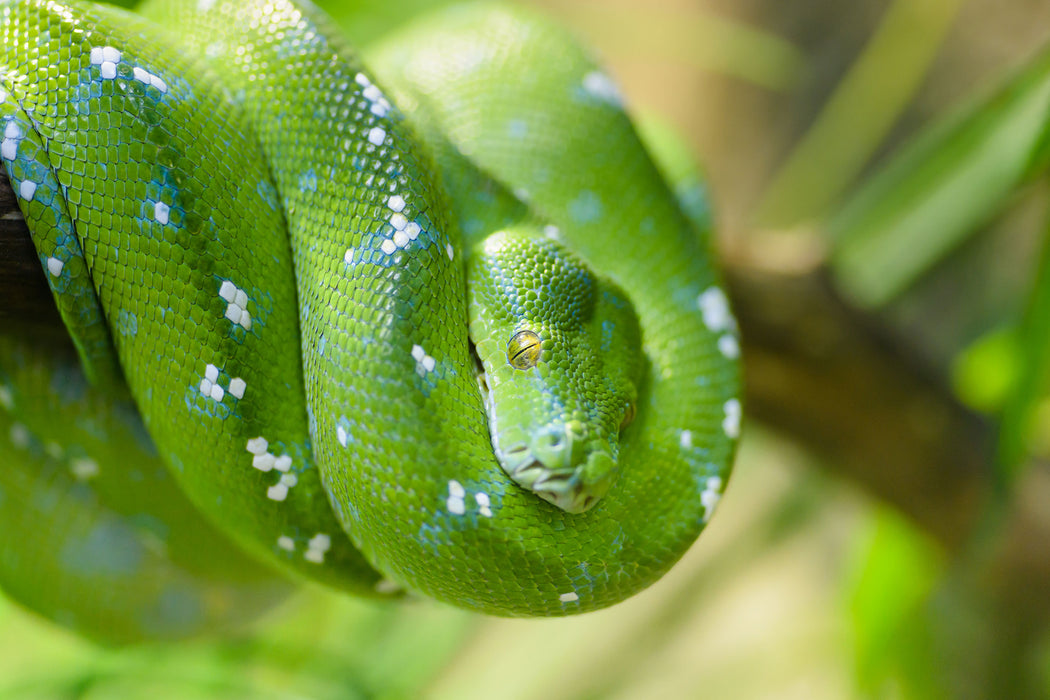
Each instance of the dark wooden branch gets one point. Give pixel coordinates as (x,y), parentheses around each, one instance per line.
(815,368)
(26,304)
(830,377)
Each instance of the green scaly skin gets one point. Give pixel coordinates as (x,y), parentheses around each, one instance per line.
(96,534)
(303,340)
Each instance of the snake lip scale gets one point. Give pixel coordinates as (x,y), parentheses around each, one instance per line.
(431,320)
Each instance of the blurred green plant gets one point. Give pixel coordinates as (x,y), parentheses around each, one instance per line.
(895,577)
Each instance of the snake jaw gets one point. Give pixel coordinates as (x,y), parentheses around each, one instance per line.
(558,468)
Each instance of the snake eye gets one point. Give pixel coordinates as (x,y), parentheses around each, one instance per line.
(628,415)
(523,350)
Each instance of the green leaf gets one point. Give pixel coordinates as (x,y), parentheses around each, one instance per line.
(889,599)
(859,114)
(955,177)
(985,373)
(1024,418)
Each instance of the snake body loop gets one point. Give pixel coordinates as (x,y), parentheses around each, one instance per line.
(284,254)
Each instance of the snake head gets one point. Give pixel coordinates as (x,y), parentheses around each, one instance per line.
(560,358)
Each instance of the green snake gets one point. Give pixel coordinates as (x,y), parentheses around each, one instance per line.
(434,325)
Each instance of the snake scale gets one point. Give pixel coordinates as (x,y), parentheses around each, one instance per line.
(434,325)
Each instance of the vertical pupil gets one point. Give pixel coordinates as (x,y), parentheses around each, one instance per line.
(523,350)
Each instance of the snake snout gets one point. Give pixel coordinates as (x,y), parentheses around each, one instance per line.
(557,466)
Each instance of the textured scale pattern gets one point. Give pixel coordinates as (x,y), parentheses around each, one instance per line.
(280,264)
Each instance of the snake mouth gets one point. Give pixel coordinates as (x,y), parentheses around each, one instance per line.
(574,489)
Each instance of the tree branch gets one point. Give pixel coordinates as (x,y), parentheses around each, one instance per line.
(815,369)
(28,308)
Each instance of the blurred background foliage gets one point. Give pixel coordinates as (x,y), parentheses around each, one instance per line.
(877,172)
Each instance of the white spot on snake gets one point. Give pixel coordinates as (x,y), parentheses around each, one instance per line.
(289,480)
(54,266)
(157,82)
(455,502)
(6,399)
(277,492)
(84,468)
(731,422)
(264,462)
(385,585)
(729,346)
(286,543)
(237,387)
(715,308)
(109,70)
(424,362)
(237,300)
(570,597)
(710,496)
(412,230)
(483,504)
(380,107)
(398,221)
(685,440)
(388,246)
(96,55)
(228,291)
(257,446)
(316,548)
(340,435)
(9,148)
(362,79)
(377,135)
(449,250)
(19,435)
(141,75)
(348,256)
(110,54)
(160,212)
(396,203)
(400,239)
(205,5)
(283,463)
(603,87)
(27,189)
(210,384)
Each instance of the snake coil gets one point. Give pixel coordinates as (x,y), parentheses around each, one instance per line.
(441,327)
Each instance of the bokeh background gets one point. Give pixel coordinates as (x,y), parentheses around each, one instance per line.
(876,173)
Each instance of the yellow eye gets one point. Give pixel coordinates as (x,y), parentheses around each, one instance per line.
(628,416)
(523,350)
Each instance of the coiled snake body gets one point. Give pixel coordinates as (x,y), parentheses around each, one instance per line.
(495,369)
